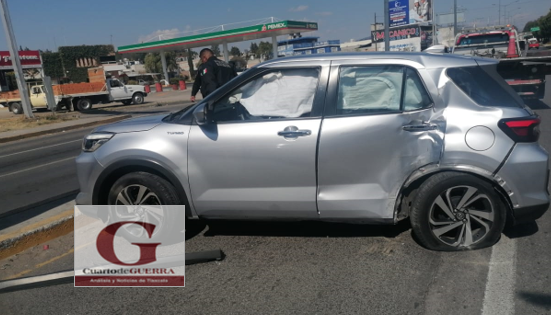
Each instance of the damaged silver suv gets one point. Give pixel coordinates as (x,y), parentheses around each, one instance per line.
(362,138)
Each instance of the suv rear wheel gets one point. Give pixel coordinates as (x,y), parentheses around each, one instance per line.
(146,192)
(457,211)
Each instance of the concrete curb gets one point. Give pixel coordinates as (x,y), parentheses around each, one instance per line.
(60,129)
(30,235)
(37,204)
(185,103)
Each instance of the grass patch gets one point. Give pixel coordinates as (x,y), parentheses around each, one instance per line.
(19,122)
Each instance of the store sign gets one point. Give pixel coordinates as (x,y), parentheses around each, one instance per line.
(397,33)
(28,58)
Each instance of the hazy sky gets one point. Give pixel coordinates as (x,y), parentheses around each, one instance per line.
(47,24)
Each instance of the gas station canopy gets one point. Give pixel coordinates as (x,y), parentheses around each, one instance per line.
(223,37)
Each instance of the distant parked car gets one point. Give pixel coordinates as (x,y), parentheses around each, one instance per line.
(144,82)
(360,138)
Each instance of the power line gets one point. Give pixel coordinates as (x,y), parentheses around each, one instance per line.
(491,7)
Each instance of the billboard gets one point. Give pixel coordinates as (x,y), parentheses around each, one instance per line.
(420,11)
(403,12)
(29,59)
(399,12)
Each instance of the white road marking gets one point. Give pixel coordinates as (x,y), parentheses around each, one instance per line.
(51,146)
(39,166)
(499,295)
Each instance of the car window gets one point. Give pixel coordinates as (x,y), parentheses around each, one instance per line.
(483,87)
(280,94)
(369,89)
(415,94)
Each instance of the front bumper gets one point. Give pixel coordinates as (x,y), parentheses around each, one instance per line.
(88,170)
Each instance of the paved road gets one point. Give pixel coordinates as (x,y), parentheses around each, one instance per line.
(320,268)
(36,169)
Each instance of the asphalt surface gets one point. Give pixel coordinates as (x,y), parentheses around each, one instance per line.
(317,268)
(42,168)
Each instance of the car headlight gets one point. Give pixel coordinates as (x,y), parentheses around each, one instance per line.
(95,140)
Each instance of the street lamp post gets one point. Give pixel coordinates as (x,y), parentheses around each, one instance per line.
(12,45)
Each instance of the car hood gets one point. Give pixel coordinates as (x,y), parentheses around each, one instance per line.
(132,125)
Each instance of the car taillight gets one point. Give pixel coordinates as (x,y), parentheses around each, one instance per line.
(521,129)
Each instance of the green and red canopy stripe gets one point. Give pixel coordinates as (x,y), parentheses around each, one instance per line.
(234,35)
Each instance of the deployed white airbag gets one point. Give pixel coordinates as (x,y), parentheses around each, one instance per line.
(284,94)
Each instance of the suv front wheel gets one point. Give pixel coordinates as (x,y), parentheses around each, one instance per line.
(457,211)
(144,193)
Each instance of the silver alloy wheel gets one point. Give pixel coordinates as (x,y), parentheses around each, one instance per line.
(461,216)
(147,208)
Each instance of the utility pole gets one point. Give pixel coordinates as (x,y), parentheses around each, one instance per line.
(387,26)
(454,18)
(499,19)
(12,45)
(433,24)
(375,26)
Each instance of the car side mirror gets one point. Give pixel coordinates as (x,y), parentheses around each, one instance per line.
(201,114)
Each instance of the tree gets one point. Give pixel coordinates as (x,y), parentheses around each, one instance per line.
(544,24)
(254,49)
(264,49)
(529,25)
(153,62)
(235,51)
(215,49)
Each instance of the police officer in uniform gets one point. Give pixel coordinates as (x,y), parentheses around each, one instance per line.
(212,74)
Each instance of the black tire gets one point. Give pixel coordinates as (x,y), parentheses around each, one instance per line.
(137,98)
(162,193)
(438,225)
(126,102)
(84,104)
(16,108)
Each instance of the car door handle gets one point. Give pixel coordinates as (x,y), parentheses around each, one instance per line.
(294,132)
(422,127)
(298,133)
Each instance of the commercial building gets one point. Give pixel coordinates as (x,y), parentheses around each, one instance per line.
(306,46)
